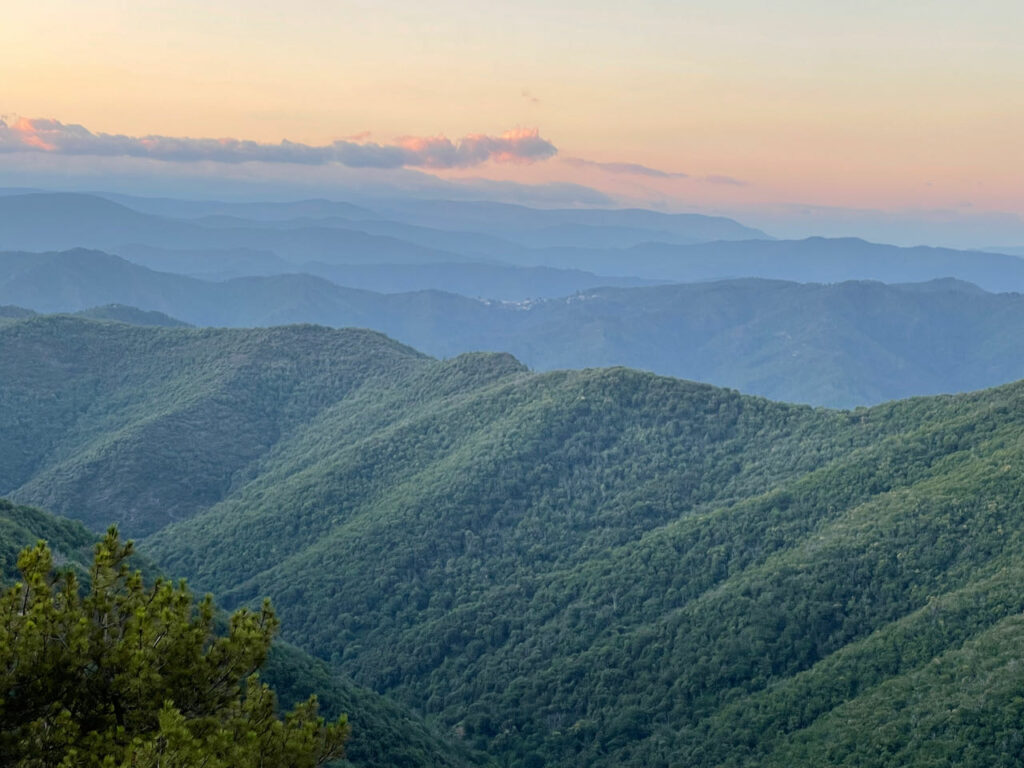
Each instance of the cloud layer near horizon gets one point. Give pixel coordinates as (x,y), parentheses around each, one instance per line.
(434,152)
(632,169)
(635,169)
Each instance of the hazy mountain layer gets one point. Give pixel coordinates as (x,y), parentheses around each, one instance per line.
(484,227)
(331,233)
(844,345)
(492,281)
(621,243)
(816,259)
(56,221)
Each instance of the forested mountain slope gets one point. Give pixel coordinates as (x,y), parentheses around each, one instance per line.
(172,421)
(21,526)
(122,313)
(847,344)
(841,345)
(582,601)
(588,568)
(383,733)
(108,422)
(118,313)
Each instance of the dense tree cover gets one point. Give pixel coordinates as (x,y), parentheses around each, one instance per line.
(69,541)
(605,567)
(382,732)
(154,423)
(11,312)
(130,675)
(542,585)
(122,313)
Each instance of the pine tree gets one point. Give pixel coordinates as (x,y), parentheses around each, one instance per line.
(136,676)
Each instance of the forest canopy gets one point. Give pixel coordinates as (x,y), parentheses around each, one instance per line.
(118,673)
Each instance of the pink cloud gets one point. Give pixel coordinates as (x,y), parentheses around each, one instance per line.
(515,146)
(436,152)
(28,134)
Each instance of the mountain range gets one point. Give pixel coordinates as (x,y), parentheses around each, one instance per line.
(473,279)
(479,226)
(613,243)
(490,542)
(841,345)
(575,568)
(814,259)
(320,231)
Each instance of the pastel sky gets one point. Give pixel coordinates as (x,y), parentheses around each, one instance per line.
(890,105)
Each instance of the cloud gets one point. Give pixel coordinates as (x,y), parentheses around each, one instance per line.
(633,169)
(724,180)
(435,152)
(273,181)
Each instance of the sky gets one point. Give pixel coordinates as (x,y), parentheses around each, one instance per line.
(784,111)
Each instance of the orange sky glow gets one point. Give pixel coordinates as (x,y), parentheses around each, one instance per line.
(916,104)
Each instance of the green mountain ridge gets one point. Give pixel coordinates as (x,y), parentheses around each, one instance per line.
(21,527)
(86,399)
(578,568)
(122,313)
